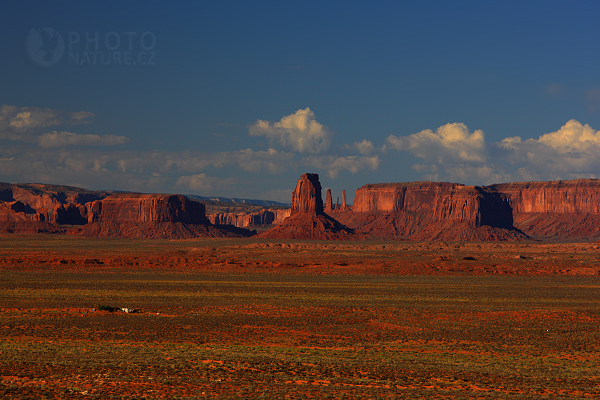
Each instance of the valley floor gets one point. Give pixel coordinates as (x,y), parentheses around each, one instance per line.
(231,318)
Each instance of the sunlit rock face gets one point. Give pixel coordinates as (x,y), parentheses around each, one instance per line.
(133,207)
(307,195)
(576,196)
(307,219)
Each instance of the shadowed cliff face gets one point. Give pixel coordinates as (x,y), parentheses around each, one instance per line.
(474,205)
(560,210)
(307,195)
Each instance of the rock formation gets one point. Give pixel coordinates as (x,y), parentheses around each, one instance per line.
(559,210)
(432,211)
(328,206)
(63,209)
(576,196)
(140,216)
(70,214)
(146,208)
(308,220)
(248,220)
(307,195)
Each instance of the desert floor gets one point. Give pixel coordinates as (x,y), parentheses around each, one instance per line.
(289,319)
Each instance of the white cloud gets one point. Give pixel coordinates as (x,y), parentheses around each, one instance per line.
(571,152)
(272,160)
(31,118)
(449,143)
(334,165)
(364,148)
(572,137)
(299,131)
(204,184)
(61,139)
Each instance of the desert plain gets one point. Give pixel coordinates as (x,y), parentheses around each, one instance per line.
(263,318)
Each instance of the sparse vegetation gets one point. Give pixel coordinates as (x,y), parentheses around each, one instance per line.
(256,319)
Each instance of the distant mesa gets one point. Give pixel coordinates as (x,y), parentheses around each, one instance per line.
(40,208)
(308,219)
(441,211)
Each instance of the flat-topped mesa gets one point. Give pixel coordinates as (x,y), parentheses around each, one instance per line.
(307,195)
(134,207)
(576,196)
(392,197)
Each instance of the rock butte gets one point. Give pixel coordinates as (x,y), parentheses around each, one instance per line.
(308,219)
(557,210)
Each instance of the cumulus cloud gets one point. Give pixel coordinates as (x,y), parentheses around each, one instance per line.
(31,118)
(454,153)
(299,131)
(572,137)
(571,152)
(204,184)
(61,139)
(334,164)
(449,143)
(24,124)
(364,148)
(463,173)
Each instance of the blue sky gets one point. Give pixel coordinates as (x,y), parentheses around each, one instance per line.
(238,99)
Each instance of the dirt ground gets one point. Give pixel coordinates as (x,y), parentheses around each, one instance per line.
(250,318)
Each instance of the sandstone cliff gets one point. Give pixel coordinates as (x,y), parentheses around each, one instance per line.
(432,211)
(307,220)
(576,196)
(63,209)
(559,210)
(392,197)
(146,208)
(307,195)
(248,220)
(149,216)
